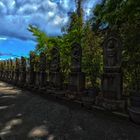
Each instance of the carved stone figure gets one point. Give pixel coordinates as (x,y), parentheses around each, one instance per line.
(55,60)
(112,75)
(32,63)
(32,72)
(41,75)
(23,64)
(11,70)
(42,62)
(55,76)
(17,71)
(76,77)
(23,71)
(112,52)
(76,56)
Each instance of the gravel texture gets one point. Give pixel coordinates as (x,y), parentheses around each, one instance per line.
(26,116)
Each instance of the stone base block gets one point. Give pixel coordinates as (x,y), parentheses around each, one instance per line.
(55,80)
(112,86)
(42,79)
(76,81)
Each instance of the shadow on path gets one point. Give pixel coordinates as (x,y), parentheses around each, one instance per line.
(24,116)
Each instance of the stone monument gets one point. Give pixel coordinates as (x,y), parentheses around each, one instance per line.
(13,71)
(4,70)
(42,70)
(76,77)
(112,75)
(55,76)
(37,73)
(8,70)
(27,73)
(23,71)
(31,71)
(1,70)
(11,65)
(17,70)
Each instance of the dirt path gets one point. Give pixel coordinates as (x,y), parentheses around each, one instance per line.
(24,116)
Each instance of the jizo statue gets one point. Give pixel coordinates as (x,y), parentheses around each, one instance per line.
(42,62)
(23,63)
(76,56)
(55,60)
(112,52)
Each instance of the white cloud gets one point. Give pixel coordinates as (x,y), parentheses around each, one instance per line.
(3,38)
(48,15)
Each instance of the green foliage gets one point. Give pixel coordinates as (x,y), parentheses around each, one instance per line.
(92,55)
(76,32)
(124,17)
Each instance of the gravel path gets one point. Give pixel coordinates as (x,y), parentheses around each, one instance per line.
(24,116)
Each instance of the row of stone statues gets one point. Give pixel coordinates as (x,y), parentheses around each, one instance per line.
(24,72)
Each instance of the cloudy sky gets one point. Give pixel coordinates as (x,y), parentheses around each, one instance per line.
(48,15)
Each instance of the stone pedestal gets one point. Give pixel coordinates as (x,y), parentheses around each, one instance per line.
(112,85)
(12,77)
(32,79)
(37,80)
(55,79)
(27,79)
(23,78)
(76,81)
(42,79)
(76,76)
(16,77)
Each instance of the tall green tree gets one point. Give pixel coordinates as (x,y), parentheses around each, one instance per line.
(76,31)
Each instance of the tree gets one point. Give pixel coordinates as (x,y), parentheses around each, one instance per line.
(123,16)
(76,32)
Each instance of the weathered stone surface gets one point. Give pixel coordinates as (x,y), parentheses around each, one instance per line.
(55,60)
(55,80)
(31,70)
(42,70)
(112,77)
(17,67)
(112,82)
(76,77)
(23,71)
(112,85)
(76,58)
(76,81)
(112,49)
(55,76)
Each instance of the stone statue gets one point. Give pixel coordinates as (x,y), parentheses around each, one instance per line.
(76,56)
(32,69)
(17,64)
(112,52)
(32,61)
(55,60)
(112,75)
(11,64)
(23,64)
(42,62)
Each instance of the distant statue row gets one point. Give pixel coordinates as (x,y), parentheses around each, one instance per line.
(24,71)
